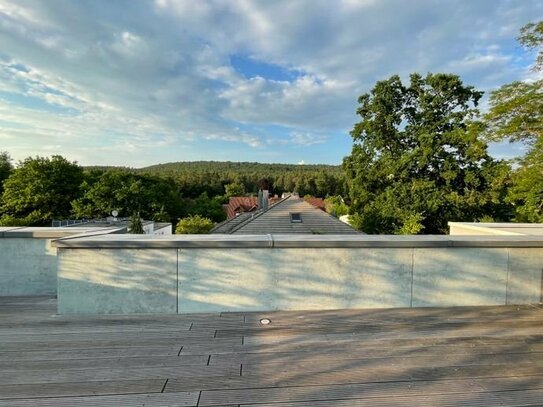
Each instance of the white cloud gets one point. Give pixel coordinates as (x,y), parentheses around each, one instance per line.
(129,76)
(306,139)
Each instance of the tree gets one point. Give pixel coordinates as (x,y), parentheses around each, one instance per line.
(207,207)
(418,160)
(234,189)
(136,226)
(516,115)
(194,225)
(531,36)
(40,190)
(516,112)
(152,197)
(335,205)
(526,193)
(5,168)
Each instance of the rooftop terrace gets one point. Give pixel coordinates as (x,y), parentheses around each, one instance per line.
(462,356)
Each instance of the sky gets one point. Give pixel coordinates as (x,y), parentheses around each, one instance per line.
(136,83)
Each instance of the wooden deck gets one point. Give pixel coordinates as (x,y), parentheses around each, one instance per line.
(477,356)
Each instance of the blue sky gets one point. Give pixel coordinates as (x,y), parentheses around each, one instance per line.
(142,82)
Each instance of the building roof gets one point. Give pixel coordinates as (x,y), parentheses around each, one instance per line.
(277,220)
(240,204)
(228,225)
(318,202)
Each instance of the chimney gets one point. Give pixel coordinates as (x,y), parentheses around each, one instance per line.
(259,200)
(265,197)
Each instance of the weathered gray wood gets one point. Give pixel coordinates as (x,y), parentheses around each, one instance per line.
(18,391)
(59,376)
(97,353)
(105,363)
(338,358)
(183,399)
(369,390)
(442,400)
(433,356)
(90,344)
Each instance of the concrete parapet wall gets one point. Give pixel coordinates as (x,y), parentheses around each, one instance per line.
(108,281)
(28,266)
(28,262)
(125,274)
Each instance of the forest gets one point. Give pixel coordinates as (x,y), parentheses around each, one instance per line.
(419,159)
(40,189)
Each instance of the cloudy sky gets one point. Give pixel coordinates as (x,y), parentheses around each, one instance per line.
(142,82)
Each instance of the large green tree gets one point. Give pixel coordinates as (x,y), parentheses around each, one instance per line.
(120,190)
(40,190)
(516,115)
(417,160)
(531,36)
(5,168)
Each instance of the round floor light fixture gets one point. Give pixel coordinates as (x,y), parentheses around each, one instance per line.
(265,321)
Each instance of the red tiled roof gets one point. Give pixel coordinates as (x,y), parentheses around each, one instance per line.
(240,204)
(317,202)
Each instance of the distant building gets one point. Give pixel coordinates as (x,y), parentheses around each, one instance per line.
(242,204)
(149,227)
(317,202)
(290,215)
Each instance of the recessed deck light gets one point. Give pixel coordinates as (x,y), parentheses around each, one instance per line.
(265,321)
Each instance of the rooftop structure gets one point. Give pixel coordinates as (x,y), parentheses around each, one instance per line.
(150,227)
(497,229)
(291,215)
(238,205)
(462,356)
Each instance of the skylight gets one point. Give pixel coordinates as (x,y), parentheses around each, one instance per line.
(296,218)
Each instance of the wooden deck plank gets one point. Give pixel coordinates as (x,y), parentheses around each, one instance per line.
(74,389)
(424,356)
(368,390)
(183,399)
(338,357)
(96,353)
(105,363)
(90,344)
(527,398)
(59,376)
(366,346)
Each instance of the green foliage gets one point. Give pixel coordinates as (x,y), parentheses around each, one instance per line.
(194,225)
(207,207)
(335,205)
(516,112)
(41,189)
(527,191)
(5,168)
(234,189)
(418,160)
(9,220)
(152,197)
(136,226)
(194,178)
(531,36)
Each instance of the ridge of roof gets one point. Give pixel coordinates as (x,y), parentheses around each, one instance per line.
(296,204)
(260,213)
(227,221)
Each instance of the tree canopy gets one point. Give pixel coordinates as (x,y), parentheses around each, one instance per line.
(5,168)
(194,225)
(516,115)
(40,190)
(418,160)
(531,36)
